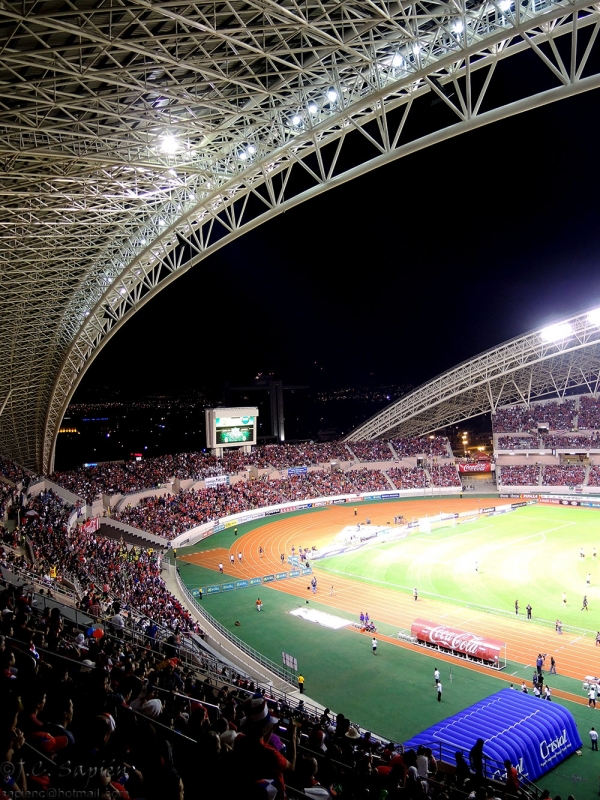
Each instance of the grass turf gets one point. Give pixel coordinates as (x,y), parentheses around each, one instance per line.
(530,555)
(392,693)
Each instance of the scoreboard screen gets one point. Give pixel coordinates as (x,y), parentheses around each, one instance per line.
(231,427)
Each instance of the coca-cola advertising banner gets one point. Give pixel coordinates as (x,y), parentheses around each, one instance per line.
(456,641)
(479,466)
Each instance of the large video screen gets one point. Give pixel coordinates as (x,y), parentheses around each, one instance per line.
(231,427)
(234,430)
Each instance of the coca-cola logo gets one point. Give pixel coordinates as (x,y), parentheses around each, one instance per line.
(459,641)
(474,467)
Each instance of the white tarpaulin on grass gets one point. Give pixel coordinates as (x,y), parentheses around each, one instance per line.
(327,620)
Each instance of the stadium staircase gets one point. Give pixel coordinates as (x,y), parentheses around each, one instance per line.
(390,481)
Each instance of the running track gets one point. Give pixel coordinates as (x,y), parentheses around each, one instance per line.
(576,656)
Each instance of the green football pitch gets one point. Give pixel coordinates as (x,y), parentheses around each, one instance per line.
(531,555)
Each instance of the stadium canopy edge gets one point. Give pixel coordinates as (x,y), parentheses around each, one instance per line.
(548,362)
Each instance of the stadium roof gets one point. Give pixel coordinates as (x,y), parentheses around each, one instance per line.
(548,362)
(138,137)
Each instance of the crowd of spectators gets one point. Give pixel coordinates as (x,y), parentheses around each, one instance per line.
(12,471)
(135,476)
(558,416)
(594,476)
(107,717)
(411,446)
(171,515)
(409,477)
(7,493)
(94,561)
(518,443)
(588,415)
(444,476)
(571,441)
(377,450)
(563,475)
(520,475)
(101,712)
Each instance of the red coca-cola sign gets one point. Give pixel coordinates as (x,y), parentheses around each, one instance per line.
(481,466)
(471,645)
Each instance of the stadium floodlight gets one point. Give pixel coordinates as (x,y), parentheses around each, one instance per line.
(251,149)
(416,49)
(296,120)
(169,144)
(397,60)
(458,26)
(332,95)
(594,317)
(312,108)
(554,333)
(504,5)
(242,155)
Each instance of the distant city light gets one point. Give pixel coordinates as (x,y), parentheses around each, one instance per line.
(554,333)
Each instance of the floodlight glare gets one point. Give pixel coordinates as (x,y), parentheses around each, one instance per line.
(251,149)
(331,95)
(554,333)
(169,145)
(296,120)
(312,108)
(397,60)
(242,155)
(458,26)
(504,5)
(416,49)
(594,317)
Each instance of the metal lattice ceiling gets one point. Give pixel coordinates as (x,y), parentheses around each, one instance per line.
(138,137)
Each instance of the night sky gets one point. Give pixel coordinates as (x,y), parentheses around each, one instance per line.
(393,277)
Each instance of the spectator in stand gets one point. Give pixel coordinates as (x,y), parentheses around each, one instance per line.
(519,475)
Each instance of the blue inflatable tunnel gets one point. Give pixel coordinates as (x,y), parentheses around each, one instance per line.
(535,735)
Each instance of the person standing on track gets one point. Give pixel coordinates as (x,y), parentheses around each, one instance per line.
(440,689)
(220,568)
(436,676)
(374,645)
(529,610)
(415,594)
(516,606)
(232,559)
(259,604)
(592,696)
(594,738)
(240,556)
(260,552)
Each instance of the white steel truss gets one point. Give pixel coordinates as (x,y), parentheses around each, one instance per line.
(136,138)
(547,362)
